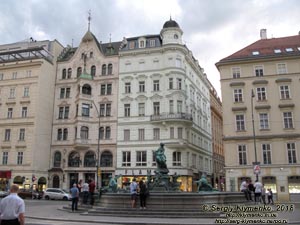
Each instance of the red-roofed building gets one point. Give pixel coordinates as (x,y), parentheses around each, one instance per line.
(260,89)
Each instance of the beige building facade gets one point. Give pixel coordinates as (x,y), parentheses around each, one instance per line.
(218,177)
(85,114)
(260,91)
(27,79)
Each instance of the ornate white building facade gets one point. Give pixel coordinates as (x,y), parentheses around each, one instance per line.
(85,114)
(163,97)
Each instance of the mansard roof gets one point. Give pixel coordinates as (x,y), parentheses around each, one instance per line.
(267,48)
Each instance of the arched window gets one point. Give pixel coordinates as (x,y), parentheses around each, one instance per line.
(65,136)
(74,159)
(110,68)
(101,133)
(90,159)
(57,159)
(107,133)
(69,73)
(84,133)
(86,89)
(79,71)
(106,159)
(103,70)
(64,74)
(93,70)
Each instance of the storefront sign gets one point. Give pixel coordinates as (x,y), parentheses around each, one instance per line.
(5,174)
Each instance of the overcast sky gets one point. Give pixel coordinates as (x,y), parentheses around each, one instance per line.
(213,29)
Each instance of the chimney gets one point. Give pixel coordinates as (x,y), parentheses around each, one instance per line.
(263,33)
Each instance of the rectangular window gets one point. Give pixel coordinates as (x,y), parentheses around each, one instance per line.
(12,92)
(156,108)
(194,157)
(172,136)
(85,110)
(131,45)
(7,135)
(9,113)
(126,110)
(179,83)
(288,120)
(127,135)
(291,150)
(259,71)
(261,94)
(152,42)
(266,150)
(156,85)
(236,72)
(20,158)
(126,158)
(14,75)
(22,134)
(242,154)
(28,73)
(142,86)
(179,106)
(1,76)
(141,134)
(171,106)
(26,92)
(281,68)
(141,158)
(170,83)
(63,112)
(24,112)
(285,92)
(179,132)
(178,63)
(141,109)
(176,158)
(108,109)
(264,121)
(102,109)
(240,122)
(102,89)
(156,133)
(127,87)
(238,95)
(59,134)
(62,92)
(4,158)
(108,89)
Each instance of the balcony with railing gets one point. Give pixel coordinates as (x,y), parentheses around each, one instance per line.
(172,117)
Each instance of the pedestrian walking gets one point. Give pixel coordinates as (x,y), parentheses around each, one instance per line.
(92,187)
(270,196)
(12,208)
(143,194)
(75,196)
(133,192)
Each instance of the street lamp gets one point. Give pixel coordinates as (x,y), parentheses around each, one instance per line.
(98,148)
(256,164)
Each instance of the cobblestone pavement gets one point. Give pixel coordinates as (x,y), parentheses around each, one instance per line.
(42,212)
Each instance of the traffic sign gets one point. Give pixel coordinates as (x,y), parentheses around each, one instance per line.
(256,169)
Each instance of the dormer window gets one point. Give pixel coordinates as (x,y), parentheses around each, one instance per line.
(277,51)
(131,45)
(255,53)
(152,43)
(175,36)
(289,50)
(142,44)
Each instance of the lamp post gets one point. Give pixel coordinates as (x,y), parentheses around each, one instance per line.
(98,148)
(256,164)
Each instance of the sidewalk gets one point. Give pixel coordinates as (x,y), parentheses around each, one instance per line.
(53,212)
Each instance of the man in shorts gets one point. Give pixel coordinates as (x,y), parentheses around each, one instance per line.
(133,192)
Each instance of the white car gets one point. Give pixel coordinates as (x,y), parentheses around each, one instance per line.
(56,193)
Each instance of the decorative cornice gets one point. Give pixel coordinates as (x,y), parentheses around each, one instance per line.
(260,82)
(234,84)
(235,109)
(271,136)
(258,107)
(286,105)
(280,80)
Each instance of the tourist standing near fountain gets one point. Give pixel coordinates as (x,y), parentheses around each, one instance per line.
(143,194)
(133,192)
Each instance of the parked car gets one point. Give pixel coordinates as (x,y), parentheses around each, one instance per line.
(56,193)
(28,193)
